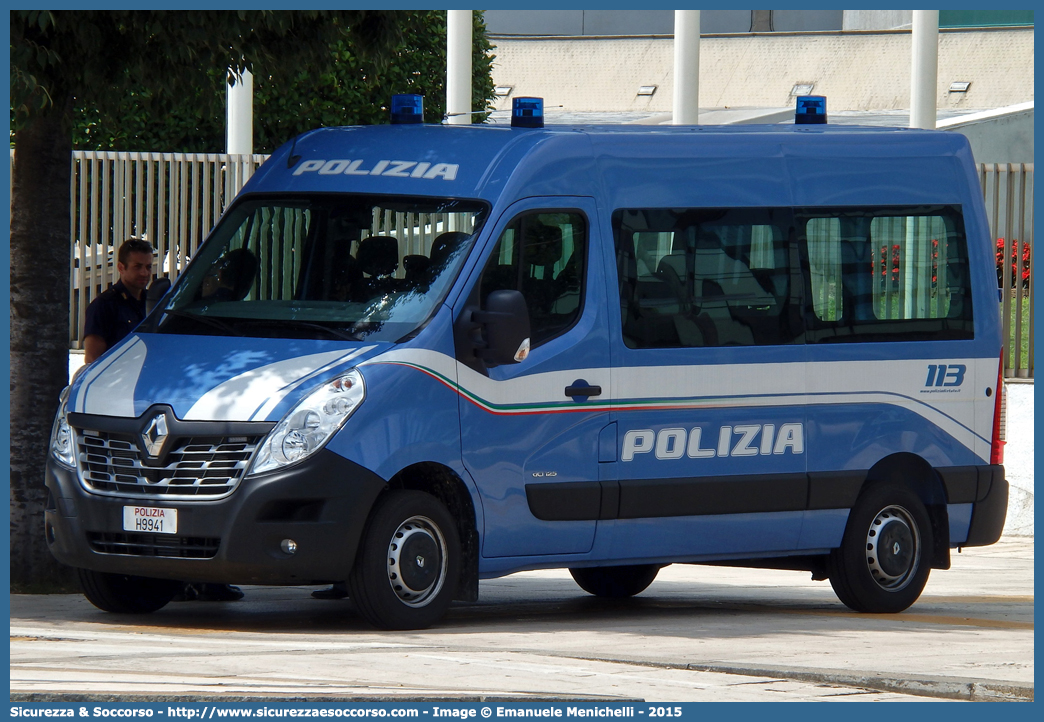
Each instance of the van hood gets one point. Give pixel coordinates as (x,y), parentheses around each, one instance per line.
(211,378)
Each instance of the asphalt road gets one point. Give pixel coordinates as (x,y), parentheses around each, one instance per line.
(697,634)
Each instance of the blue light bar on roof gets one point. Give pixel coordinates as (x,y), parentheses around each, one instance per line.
(527,113)
(407,109)
(811,110)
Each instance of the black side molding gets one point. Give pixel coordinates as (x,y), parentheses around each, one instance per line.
(987,520)
(640,499)
(568,501)
(961,483)
(984,486)
(968,484)
(653,498)
(834,489)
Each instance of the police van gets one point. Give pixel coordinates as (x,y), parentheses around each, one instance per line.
(411,357)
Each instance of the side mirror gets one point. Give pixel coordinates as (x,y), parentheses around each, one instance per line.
(506,324)
(155,294)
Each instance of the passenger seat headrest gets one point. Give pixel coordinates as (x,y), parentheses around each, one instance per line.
(444,245)
(378,255)
(543,245)
(415,265)
(238,270)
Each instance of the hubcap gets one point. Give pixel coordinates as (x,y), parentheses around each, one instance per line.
(417,561)
(893,548)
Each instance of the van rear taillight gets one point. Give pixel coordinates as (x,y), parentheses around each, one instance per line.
(1000,413)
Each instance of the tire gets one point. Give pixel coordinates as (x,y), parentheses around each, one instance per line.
(408,565)
(615,582)
(124,594)
(884,559)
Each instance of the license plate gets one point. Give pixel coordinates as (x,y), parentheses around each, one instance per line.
(150,519)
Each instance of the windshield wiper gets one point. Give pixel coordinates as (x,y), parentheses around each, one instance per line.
(292,323)
(211,320)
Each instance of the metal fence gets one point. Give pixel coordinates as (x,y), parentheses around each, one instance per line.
(174,199)
(1008,191)
(171,200)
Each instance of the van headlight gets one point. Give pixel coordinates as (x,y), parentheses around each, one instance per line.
(311,423)
(63,441)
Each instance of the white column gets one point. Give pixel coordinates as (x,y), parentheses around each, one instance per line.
(458,67)
(924,69)
(686,67)
(239,136)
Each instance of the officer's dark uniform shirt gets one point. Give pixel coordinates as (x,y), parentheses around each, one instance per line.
(114,314)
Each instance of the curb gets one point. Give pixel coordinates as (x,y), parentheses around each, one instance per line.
(955,688)
(975,690)
(298,698)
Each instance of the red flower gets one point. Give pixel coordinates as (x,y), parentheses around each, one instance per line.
(1019,271)
(895,262)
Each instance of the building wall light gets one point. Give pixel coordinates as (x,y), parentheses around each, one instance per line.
(646,90)
(959,86)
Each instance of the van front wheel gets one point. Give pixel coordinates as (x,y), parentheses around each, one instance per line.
(408,565)
(615,582)
(884,559)
(126,594)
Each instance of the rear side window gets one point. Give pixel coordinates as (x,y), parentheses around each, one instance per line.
(886,274)
(706,277)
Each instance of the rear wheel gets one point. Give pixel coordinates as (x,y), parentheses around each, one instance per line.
(125,594)
(408,565)
(615,582)
(884,559)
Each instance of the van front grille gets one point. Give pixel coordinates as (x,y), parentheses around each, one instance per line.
(153,545)
(199,467)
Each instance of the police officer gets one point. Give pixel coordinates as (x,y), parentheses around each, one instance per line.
(113,315)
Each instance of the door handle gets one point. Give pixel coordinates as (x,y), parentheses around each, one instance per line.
(581,388)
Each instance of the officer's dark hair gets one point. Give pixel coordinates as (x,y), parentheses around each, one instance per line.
(133,245)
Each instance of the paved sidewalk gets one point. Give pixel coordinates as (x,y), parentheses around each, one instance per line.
(697,634)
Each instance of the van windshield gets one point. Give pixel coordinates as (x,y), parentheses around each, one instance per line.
(359,268)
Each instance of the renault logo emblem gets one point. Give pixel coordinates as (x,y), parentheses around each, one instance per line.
(154,435)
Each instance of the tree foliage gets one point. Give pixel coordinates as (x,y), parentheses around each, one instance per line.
(59,55)
(64,60)
(346,87)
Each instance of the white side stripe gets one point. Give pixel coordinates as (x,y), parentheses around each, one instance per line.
(109,389)
(241,397)
(899,383)
(266,408)
(530,389)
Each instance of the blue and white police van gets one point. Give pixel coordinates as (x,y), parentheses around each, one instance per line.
(411,357)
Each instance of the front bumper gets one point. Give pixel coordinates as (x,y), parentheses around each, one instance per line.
(322,504)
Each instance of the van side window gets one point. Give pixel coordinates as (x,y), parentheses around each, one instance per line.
(886,274)
(542,255)
(705,277)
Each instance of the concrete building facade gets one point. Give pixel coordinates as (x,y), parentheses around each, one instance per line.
(866,70)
